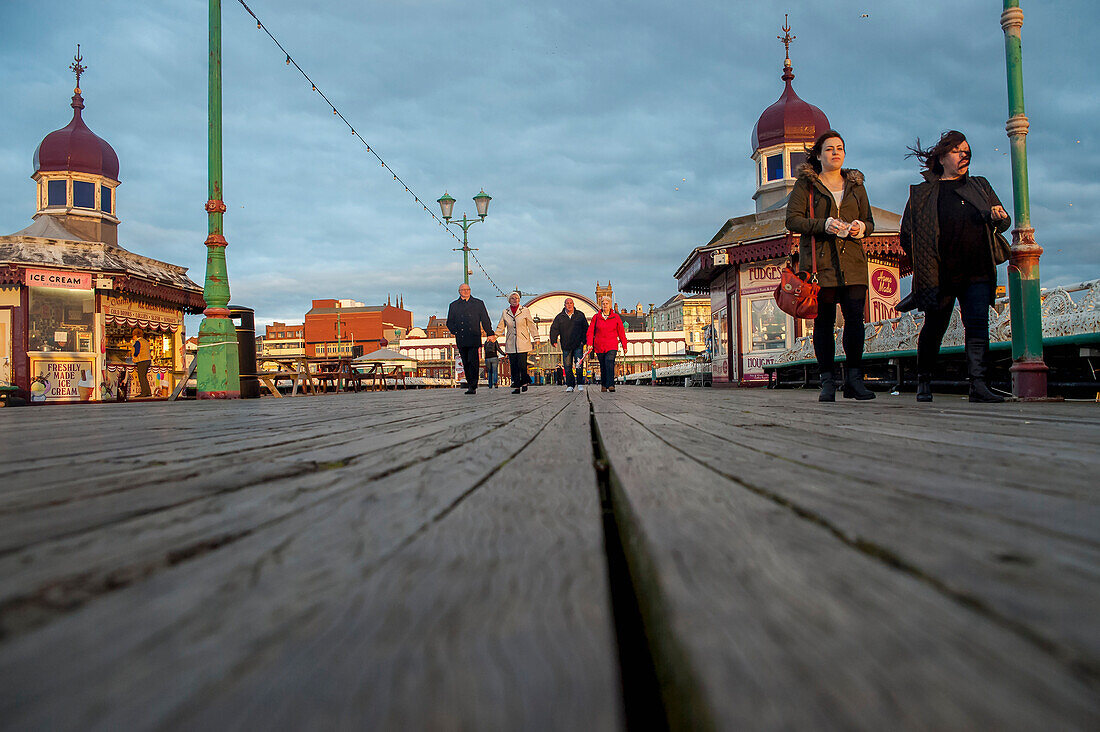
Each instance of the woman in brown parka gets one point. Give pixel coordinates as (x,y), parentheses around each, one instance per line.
(840,218)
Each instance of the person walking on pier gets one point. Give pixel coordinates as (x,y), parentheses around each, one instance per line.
(605,332)
(829,204)
(571,327)
(492,361)
(466,318)
(521,334)
(951,230)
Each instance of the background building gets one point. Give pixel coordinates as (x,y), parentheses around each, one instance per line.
(437,327)
(348,327)
(283,341)
(689,313)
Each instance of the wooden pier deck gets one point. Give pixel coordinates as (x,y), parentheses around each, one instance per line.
(696,558)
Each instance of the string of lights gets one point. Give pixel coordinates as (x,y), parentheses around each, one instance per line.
(336,112)
(478,262)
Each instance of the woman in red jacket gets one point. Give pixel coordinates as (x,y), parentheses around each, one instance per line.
(605,332)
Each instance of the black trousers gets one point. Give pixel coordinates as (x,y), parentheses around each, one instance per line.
(851,299)
(142,368)
(471,364)
(518,363)
(974,299)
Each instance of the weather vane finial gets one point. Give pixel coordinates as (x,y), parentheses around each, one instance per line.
(786,38)
(77,67)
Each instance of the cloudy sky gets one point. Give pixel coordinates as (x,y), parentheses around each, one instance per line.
(613,136)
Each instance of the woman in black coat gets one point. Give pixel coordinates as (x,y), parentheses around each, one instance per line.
(951,231)
(840,219)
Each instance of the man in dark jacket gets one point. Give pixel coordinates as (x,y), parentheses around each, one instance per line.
(571,327)
(466,318)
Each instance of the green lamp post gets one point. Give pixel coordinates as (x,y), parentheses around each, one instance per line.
(1029,372)
(218,371)
(447,207)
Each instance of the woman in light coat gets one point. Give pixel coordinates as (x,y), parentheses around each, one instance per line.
(522,336)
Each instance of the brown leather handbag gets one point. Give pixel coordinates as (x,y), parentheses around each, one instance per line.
(797,291)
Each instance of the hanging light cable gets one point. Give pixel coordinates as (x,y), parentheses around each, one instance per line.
(336,112)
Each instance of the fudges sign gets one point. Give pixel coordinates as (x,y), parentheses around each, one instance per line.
(53,278)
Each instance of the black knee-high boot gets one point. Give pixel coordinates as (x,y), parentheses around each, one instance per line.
(976,353)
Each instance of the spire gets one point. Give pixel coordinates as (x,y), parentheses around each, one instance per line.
(78,69)
(786,38)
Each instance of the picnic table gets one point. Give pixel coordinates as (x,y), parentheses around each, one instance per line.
(697,559)
(377,373)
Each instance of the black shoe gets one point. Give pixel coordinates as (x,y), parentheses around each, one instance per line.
(924,389)
(828,388)
(976,353)
(523,388)
(853,386)
(611,388)
(515,391)
(470,391)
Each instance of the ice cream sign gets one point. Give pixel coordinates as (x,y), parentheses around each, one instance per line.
(62,381)
(53,278)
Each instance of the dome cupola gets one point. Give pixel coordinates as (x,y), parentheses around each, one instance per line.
(77,174)
(75,148)
(781,135)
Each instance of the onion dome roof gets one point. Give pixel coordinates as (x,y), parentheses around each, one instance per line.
(76,148)
(790,119)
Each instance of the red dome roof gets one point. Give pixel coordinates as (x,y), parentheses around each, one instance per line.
(76,148)
(788,120)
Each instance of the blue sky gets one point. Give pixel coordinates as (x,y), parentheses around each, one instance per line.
(613,136)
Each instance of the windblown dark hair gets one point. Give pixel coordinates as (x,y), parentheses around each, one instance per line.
(813,155)
(930,158)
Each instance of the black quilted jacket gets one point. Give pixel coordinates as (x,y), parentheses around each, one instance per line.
(920,234)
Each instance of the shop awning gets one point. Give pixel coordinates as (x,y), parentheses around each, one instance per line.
(144,324)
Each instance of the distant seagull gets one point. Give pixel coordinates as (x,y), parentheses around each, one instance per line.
(865,15)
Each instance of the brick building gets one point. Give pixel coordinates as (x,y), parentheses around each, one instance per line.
(336,327)
(281,340)
(437,328)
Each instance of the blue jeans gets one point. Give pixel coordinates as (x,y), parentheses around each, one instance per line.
(607,368)
(568,359)
(491,372)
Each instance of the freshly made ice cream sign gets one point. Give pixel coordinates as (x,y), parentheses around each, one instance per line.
(53,278)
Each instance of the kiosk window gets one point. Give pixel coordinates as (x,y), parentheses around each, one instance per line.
(105,199)
(57,193)
(797,158)
(60,320)
(775,167)
(83,194)
(768,324)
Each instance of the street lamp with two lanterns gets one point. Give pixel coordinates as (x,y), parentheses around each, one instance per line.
(447,207)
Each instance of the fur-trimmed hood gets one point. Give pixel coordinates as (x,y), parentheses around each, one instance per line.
(851,175)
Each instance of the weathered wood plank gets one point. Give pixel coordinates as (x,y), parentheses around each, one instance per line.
(992,475)
(496,617)
(140,655)
(1043,582)
(51,574)
(155,484)
(763,618)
